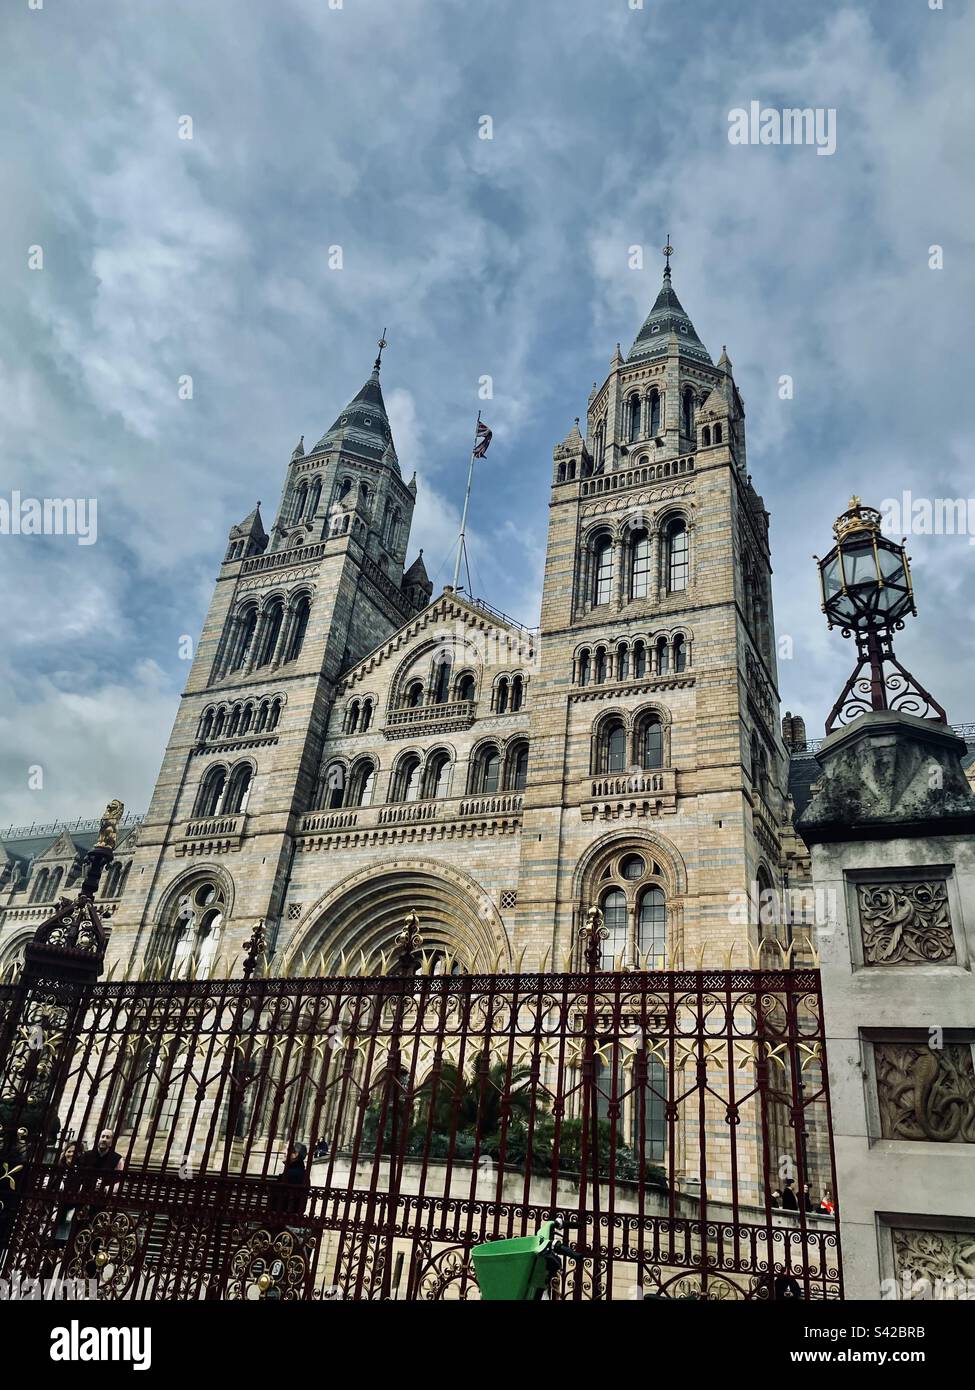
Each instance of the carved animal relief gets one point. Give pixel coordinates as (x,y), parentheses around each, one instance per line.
(905,923)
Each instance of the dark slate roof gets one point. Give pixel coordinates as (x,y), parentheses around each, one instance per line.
(363,426)
(31,846)
(803,772)
(665,318)
(417,572)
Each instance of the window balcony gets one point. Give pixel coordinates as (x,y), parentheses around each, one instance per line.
(614,795)
(505,806)
(212,835)
(454,714)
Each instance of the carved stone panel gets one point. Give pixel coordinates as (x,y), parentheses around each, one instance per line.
(928,1258)
(905,923)
(926,1093)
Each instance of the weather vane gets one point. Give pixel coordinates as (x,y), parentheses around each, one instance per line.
(381,345)
(668,251)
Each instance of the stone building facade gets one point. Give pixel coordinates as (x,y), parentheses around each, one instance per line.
(349,748)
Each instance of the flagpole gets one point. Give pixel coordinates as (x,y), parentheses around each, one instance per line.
(467,498)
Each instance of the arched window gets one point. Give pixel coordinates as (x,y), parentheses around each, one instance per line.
(687,412)
(274,714)
(54,883)
(436,776)
(244,638)
(676,555)
(247,718)
(414,695)
(634,418)
(487,770)
(602,589)
(680,653)
(622,662)
(612,747)
(466,687)
(211,792)
(273,620)
(517,767)
(366,715)
(652,743)
(584,667)
(302,612)
(663,656)
(654,412)
(301,497)
(206,725)
(639,564)
(314,497)
(706,435)
(639,660)
(517,693)
(718,434)
(234,721)
(352,718)
(39,889)
(345,488)
(599,666)
(501,699)
(332,791)
(441,683)
(407,781)
(614,920)
(262,713)
(362,783)
(219,722)
(238,789)
(652,927)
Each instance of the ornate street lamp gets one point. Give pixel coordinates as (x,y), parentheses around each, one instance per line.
(867,591)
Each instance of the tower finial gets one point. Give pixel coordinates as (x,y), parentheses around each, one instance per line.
(379,359)
(668,252)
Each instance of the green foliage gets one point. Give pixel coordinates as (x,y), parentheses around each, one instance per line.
(474,1103)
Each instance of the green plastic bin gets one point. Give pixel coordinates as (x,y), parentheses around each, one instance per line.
(513,1270)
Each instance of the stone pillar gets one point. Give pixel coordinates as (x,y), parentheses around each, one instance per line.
(889,830)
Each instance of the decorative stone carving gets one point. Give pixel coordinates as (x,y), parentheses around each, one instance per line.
(905,923)
(926,1257)
(926,1093)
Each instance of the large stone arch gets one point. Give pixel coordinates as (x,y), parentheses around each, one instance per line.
(366,911)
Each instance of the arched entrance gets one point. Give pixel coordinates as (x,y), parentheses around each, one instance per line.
(362,917)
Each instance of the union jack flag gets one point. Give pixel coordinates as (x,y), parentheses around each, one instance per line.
(484,437)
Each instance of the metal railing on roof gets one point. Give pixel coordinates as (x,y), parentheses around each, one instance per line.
(812,745)
(54,827)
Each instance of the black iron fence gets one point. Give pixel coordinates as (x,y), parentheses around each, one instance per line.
(660,1112)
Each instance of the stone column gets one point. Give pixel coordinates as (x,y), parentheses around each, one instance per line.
(890,834)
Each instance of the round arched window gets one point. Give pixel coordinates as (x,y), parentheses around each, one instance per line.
(633,866)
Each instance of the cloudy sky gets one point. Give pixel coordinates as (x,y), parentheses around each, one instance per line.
(357,126)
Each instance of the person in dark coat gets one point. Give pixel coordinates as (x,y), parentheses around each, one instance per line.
(296,1179)
(790,1201)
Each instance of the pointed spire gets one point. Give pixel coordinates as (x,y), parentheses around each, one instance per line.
(412,483)
(363,426)
(299,449)
(667,327)
(724,361)
(574,438)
